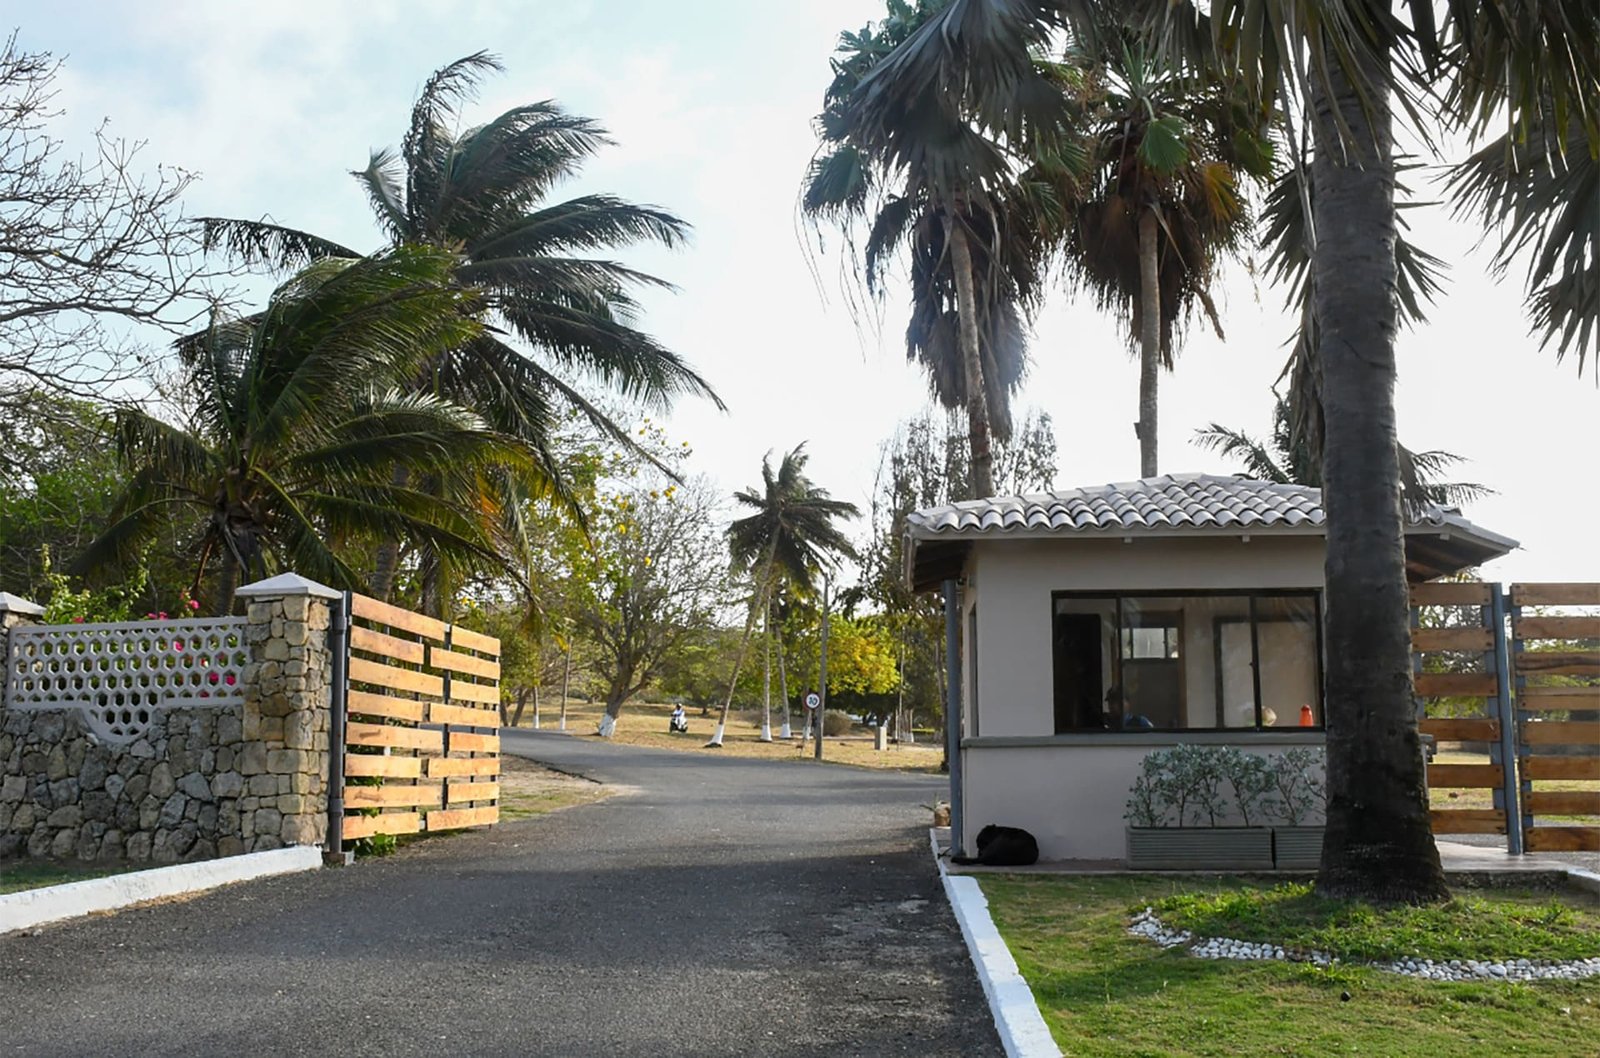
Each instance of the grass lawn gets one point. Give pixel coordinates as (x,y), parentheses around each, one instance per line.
(1104,992)
(528,789)
(645,724)
(17,875)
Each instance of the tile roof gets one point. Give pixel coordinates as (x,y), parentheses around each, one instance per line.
(1173,502)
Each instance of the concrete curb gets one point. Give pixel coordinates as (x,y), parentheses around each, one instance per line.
(1589,881)
(1022,1030)
(38,907)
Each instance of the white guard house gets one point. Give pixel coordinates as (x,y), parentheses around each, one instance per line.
(1099,623)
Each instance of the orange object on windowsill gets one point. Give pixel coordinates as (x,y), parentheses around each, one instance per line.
(1306,719)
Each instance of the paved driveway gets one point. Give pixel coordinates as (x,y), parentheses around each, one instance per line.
(721,907)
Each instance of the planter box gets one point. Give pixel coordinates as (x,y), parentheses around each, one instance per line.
(1297,848)
(1200,848)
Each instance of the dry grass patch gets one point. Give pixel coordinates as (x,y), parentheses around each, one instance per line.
(528,789)
(645,724)
(1445,798)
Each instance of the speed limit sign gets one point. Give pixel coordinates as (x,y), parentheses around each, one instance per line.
(813,700)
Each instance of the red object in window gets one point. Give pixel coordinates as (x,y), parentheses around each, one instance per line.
(1306,719)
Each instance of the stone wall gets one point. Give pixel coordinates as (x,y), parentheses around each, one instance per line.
(198,782)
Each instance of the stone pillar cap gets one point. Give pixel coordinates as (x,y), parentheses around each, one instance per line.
(17,604)
(287,584)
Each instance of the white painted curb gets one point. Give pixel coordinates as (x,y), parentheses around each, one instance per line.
(36,907)
(1022,1030)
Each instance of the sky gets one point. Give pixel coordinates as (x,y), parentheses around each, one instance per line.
(272,105)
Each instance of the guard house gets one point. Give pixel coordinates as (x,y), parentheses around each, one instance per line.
(1099,623)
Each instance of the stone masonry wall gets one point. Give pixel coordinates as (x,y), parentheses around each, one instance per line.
(200,782)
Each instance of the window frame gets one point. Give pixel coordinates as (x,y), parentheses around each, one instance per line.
(1316,595)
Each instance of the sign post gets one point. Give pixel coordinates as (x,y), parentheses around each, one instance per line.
(822,677)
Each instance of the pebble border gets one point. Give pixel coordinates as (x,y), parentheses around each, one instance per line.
(1148,925)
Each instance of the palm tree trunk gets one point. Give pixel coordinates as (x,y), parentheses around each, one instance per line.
(1149,341)
(972,364)
(786,732)
(1379,842)
(744,641)
(766,672)
(387,563)
(566,676)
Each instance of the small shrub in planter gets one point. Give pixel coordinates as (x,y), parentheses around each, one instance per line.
(1299,799)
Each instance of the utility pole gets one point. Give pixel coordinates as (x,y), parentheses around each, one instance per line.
(822,675)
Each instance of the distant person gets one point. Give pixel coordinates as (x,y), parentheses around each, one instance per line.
(1120,714)
(680,721)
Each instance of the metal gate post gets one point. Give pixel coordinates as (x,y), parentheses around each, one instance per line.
(1510,788)
(339,703)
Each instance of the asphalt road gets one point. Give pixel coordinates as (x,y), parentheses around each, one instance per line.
(719,907)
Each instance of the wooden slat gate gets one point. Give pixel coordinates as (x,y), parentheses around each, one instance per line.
(1458,663)
(1556,659)
(422,723)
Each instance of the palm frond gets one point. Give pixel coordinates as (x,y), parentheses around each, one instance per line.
(261,243)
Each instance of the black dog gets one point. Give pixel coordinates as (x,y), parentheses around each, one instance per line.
(1003,847)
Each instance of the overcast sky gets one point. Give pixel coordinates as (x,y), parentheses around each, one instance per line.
(710,104)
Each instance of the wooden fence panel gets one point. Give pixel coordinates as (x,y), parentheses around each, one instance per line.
(423,724)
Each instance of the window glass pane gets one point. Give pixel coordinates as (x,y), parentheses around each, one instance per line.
(1286,638)
(1151,692)
(1084,647)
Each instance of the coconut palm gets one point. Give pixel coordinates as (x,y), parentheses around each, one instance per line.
(483,195)
(1165,201)
(1287,458)
(300,424)
(788,541)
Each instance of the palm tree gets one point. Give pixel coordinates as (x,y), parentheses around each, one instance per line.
(787,541)
(1164,202)
(482,195)
(974,231)
(300,425)
(1288,459)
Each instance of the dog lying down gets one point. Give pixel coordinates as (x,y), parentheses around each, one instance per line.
(1003,847)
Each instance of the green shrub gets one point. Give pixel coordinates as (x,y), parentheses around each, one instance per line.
(836,723)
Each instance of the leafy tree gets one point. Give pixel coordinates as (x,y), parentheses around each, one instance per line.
(789,539)
(482,196)
(291,456)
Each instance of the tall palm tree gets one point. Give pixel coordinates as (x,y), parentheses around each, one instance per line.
(483,195)
(789,539)
(973,230)
(301,422)
(1287,458)
(1165,201)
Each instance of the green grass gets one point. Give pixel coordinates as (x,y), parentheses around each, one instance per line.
(36,874)
(1104,992)
(1472,926)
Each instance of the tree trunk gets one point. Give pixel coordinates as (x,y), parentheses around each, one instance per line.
(522,703)
(1378,843)
(536,707)
(387,563)
(1149,340)
(766,673)
(608,722)
(786,732)
(972,364)
(744,642)
(566,676)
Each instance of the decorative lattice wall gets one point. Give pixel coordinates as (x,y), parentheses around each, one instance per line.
(117,673)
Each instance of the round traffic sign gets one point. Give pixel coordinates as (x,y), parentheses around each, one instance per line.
(813,700)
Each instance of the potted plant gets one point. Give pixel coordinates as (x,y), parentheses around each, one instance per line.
(1179,814)
(1298,799)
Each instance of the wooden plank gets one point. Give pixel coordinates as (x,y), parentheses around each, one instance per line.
(487,693)
(1457,684)
(364,671)
(1469,821)
(1465,776)
(1564,802)
(453,818)
(1559,697)
(470,640)
(1562,839)
(449,659)
(465,792)
(1476,640)
(1581,627)
(1555,594)
(468,742)
(393,616)
(369,704)
(439,767)
(407,650)
(383,823)
(439,713)
(394,796)
(1558,662)
(1450,593)
(1561,733)
(1449,729)
(359,734)
(1560,767)
(377,764)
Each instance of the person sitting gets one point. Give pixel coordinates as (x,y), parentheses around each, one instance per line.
(680,721)
(1120,714)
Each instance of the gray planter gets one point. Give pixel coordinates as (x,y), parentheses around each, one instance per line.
(1200,848)
(1297,848)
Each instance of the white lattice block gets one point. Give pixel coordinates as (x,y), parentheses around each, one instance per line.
(117,672)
